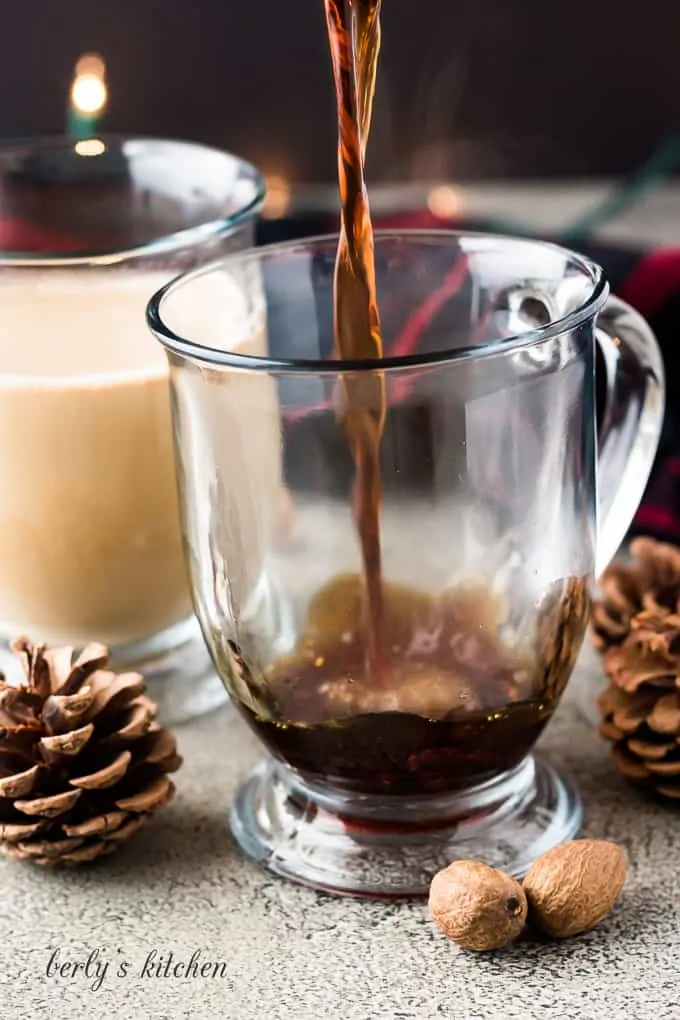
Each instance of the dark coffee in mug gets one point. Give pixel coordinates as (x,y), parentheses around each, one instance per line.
(462,703)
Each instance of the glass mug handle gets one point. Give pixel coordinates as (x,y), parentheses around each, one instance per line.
(628,435)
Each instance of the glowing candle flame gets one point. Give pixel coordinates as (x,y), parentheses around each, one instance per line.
(88,91)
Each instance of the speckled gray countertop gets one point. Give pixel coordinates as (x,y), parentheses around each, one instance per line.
(181,886)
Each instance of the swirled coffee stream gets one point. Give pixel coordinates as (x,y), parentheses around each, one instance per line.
(389,689)
(354,37)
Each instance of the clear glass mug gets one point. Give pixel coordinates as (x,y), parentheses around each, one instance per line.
(491,489)
(90,540)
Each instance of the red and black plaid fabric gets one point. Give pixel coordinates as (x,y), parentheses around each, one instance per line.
(652,286)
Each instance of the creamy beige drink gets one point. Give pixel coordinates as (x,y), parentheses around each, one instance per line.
(90,542)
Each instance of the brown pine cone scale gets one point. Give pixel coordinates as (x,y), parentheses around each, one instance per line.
(636,627)
(83,763)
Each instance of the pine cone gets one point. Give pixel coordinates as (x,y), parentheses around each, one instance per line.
(637,626)
(650,582)
(82,763)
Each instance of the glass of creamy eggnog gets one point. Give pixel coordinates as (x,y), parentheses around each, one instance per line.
(90,540)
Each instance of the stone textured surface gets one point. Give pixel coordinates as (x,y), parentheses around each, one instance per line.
(181,886)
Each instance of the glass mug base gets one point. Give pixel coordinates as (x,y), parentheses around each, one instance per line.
(362,847)
(175,664)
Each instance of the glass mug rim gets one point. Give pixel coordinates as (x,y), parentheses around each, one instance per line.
(203,354)
(164,244)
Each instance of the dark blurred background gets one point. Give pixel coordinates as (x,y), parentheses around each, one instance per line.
(467,89)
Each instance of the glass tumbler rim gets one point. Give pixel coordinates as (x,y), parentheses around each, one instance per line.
(208,355)
(164,244)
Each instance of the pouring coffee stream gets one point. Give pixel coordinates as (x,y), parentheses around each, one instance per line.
(354,37)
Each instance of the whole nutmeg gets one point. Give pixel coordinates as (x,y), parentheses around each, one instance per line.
(476,906)
(573,886)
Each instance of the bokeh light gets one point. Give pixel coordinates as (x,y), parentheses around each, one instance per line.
(88,91)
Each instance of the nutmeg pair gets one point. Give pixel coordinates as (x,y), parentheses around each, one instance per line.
(568,890)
